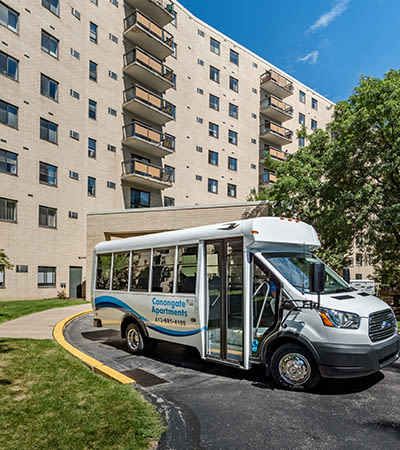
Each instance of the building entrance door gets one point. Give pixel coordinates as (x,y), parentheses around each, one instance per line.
(75,282)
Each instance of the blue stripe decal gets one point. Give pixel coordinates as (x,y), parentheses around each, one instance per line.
(107,301)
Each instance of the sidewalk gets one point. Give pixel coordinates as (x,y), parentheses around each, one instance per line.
(39,325)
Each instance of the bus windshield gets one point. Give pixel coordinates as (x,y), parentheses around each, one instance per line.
(295,268)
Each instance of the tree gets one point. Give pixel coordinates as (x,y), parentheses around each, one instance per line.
(346,181)
(4,261)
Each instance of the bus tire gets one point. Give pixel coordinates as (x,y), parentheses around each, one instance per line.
(293,366)
(135,340)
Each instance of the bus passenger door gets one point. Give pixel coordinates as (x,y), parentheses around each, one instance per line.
(225,300)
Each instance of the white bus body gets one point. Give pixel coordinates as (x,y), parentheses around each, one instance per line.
(239,293)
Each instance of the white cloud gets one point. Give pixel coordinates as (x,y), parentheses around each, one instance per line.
(312,57)
(324,20)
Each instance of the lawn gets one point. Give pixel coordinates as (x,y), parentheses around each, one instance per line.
(51,400)
(17,308)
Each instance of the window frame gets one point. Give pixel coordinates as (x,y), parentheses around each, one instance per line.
(44,211)
(235,58)
(302,119)
(140,204)
(6,72)
(92,149)
(54,275)
(14,13)
(232,163)
(49,8)
(213,158)
(93,33)
(233,137)
(49,82)
(8,113)
(213,130)
(211,182)
(6,164)
(233,84)
(302,97)
(91,186)
(43,174)
(47,138)
(50,38)
(92,109)
(214,71)
(213,102)
(215,46)
(9,202)
(314,103)
(234,190)
(233,111)
(92,71)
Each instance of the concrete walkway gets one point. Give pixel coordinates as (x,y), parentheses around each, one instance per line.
(39,325)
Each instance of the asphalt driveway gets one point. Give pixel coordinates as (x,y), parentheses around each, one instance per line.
(210,406)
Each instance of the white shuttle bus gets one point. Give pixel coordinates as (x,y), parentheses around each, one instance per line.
(243,292)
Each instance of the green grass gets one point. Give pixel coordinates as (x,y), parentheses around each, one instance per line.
(51,400)
(14,309)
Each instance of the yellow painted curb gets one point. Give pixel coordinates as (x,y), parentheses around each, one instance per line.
(97,366)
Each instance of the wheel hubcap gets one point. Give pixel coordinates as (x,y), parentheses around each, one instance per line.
(133,339)
(294,368)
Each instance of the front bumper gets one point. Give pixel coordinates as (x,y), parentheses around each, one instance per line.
(349,361)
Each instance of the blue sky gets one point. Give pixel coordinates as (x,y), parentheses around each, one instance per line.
(325,44)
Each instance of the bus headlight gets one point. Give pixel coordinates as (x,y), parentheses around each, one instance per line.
(339,319)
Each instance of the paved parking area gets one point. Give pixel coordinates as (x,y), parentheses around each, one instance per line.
(215,407)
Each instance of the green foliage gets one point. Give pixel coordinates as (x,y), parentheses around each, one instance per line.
(346,182)
(4,261)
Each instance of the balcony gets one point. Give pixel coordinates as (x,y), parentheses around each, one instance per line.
(148,70)
(139,136)
(276,109)
(276,84)
(146,104)
(158,10)
(274,152)
(267,178)
(147,34)
(145,175)
(275,134)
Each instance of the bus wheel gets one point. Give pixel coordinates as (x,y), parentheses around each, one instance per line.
(293,366)
(135,339)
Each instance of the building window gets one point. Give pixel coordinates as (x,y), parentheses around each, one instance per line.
(9,18)
(49,44)
(8,162)
(212,158)
(92,148)
(254,90)
(8,114)
(140,199)
(302,97)
(92,71)
(213,130)
(93,32)
(200,61)
(112,112)
(212,186)
(21,268)
(94,1)
(169,201)
(253,116)
(171,171)
(76,13)
(48,87)
(214,74)
(314,124)
(92,109)
(255,65)
(232,163)
(233,110)
(253,166)
(48,174)
(46,276)
(8,210)
(47,217)
(200,91)
(314,104)
(214,46)
(72,214)
(52,5)
(74,135)
(111,148)
(91,186)
(359,260)
(234,57)
(113,38)
(112,75)
(199,119)
(74,175)
(48,131)
(234,84)
(114,2)
(253,141)
(200,33)
(232,190)
(2,284)
(302,119)
(301,142)
(74,94)
(199,148)
(199,177)
(8,66)
(214,102)
(232,137)
(75,54)
(110,185)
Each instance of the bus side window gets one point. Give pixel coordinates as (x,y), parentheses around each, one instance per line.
(187,269)
(163,269)
(120,272)
(140,270)
(103,271)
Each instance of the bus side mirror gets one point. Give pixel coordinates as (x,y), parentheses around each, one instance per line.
(317,277)
(346,275)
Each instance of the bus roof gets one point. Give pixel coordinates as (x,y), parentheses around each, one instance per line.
(264,233)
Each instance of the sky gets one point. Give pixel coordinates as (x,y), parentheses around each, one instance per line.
(325,44)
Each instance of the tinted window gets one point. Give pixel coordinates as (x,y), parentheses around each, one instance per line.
(120,271)
(140,270)
(103,271)
(163,269)
(187,269)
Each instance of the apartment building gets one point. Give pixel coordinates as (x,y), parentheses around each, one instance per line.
(111,105)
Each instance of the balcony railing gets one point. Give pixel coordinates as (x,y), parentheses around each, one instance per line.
(147,170)
(276,129)
(267,177)
(160,10)
(278,84)
(275,153)
(149,62)
(150,135)
(147,97)
(273,102)
(149,25)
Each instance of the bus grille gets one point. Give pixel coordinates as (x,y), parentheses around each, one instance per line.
(382,324)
